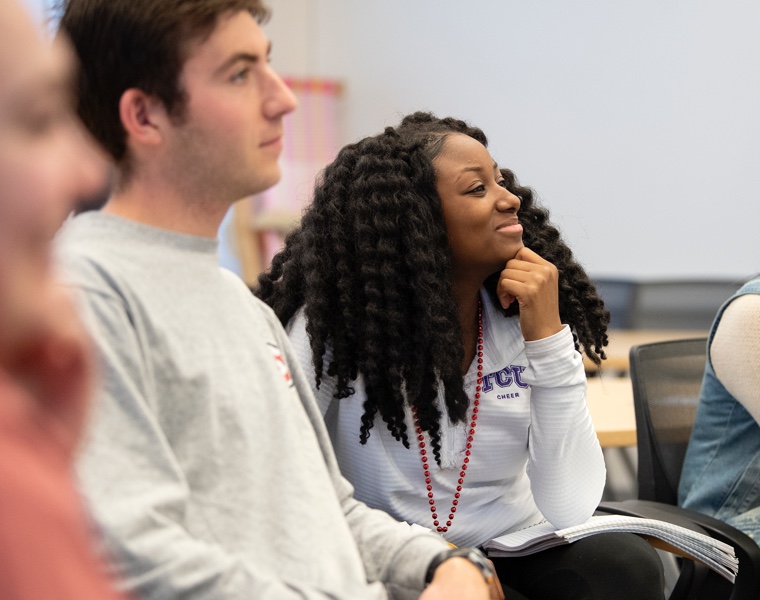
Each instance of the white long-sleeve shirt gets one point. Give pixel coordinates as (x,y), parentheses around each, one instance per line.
(535,454)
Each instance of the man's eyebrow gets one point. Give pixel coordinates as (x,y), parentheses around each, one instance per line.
(243,57)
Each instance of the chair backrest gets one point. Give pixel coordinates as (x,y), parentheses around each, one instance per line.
(679,304)
(666,378)
(619,297)
(665,303)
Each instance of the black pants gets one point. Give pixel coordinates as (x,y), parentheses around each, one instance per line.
(607,566)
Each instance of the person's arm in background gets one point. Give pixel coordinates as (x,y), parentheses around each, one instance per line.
(735,351)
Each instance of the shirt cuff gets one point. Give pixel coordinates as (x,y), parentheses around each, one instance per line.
(554,361)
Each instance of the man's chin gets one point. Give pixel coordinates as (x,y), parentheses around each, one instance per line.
(263,181)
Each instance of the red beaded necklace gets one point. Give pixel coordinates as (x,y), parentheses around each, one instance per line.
(470,436)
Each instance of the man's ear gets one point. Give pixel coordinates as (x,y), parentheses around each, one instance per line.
(144,117)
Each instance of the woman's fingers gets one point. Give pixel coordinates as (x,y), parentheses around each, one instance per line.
(533,283)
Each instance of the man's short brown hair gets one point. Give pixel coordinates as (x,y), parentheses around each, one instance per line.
(141,44)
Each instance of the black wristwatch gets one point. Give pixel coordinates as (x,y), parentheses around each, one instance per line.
(475,556)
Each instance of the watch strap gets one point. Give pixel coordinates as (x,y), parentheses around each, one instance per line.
(475,556)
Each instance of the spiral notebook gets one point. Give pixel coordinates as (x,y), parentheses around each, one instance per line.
(717,555)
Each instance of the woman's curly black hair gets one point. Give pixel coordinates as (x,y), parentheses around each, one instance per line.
(371,265)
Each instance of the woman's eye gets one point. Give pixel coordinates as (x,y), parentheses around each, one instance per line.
(503,183)
(478,190)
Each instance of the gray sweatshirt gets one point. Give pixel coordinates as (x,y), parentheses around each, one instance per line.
(207,465)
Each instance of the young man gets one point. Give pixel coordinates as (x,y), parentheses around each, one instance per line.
(45,362)
(208,466)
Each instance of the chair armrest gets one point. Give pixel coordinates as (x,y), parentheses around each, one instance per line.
(652,510)
(747,583)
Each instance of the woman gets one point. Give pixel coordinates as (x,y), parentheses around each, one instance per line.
(425,288)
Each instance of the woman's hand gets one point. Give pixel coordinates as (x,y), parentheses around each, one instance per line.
(533,283)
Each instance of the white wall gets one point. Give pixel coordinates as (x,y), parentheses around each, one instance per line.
(637,123)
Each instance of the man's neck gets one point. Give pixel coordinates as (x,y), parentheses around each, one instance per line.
(165,207)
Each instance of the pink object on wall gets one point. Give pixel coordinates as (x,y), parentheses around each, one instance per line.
(311,137)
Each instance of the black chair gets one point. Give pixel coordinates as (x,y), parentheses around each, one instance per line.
(619,297)
(666,378)
(665,303)
(679,303)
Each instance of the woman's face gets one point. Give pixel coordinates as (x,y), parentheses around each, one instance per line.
(480,213)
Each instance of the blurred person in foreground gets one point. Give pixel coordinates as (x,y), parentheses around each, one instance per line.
(46,371)
(208,467)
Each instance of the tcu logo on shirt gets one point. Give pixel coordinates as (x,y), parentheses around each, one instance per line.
(506,377)
(282,366)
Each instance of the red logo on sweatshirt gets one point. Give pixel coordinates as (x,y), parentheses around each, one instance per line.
(282,366)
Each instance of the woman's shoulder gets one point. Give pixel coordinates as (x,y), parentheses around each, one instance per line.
(299,339)
(296,329)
